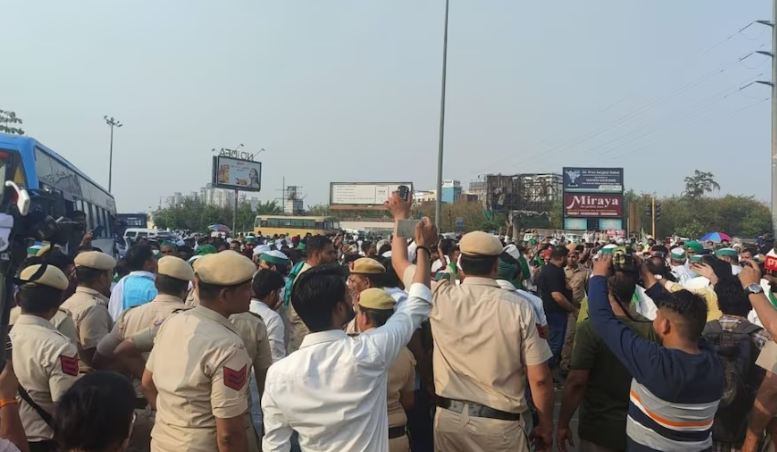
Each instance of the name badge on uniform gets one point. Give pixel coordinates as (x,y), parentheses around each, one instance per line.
(69,364)
(235,379)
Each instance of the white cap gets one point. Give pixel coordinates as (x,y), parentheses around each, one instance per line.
(512,250)
(261,249)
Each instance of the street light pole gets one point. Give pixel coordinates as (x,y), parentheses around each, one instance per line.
(113,122)
(438,200)
(774,120)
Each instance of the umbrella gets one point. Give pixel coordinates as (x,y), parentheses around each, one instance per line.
(716,237)
(219,228)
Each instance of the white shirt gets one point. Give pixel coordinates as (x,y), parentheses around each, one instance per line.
(332,391)
(116,303)
(534,300)
(275,328)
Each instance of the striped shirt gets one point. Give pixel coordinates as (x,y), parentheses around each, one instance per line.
(674,395)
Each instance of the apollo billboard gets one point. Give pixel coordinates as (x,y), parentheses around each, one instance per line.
(581,205)
(593,180)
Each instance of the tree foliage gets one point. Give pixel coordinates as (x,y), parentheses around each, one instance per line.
(699,183)
(9,122)
(474,216)
(194,215)
(740,216)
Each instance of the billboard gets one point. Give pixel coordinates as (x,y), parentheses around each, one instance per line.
(361,195)
(593,205)
(502,192)
(593,180)
(237,174)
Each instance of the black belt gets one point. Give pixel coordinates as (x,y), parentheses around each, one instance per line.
(476,409)
(397,432)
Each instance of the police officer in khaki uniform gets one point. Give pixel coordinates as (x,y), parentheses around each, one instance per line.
(485,346)
(251,328)
(197,372)
(45,361)
(365,273)
(375,307)
(172,283)
(61,320)
(88,306)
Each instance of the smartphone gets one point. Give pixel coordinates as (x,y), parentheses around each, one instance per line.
(695,259)
(406,228)
(404,192)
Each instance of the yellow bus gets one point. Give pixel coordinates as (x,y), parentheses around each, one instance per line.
(270,225)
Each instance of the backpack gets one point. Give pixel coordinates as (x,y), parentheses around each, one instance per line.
(737,354)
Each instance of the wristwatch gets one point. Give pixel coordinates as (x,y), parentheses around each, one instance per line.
(754,288)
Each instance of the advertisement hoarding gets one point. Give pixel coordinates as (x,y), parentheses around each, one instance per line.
(357,195)
(237,174)
(593,180)
(593,205)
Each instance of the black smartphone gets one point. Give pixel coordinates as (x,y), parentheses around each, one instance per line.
(404,192)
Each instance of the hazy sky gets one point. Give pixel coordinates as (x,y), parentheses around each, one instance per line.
(341,90)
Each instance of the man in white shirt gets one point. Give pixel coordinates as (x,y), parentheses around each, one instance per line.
(267,286)
(332,391)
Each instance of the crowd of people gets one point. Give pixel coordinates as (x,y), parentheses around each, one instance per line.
(429,343)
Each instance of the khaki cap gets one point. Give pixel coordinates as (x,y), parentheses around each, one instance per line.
(175,267)
(226,268)
(376,299)
(95,260)
(51,277)
(367,266)
(480,243)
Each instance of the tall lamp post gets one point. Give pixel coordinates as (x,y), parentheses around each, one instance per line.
(438,201)
(113,122)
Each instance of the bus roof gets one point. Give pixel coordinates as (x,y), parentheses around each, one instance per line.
(26,148)
(303,217)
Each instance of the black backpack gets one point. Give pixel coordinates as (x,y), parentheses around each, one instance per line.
(737,354)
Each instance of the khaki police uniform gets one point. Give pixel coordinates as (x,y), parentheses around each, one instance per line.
(297,328)
(147,318)
(200,366)
(401,379)
(61,321)
(251,328)
(401,375)
(484,337)
(44,360)
(89,308)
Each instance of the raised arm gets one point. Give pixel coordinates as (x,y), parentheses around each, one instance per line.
(400,210)
(396,333)
(638,355)
(750,274)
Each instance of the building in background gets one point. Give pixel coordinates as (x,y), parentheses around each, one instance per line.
(422,196)
(451,191)
(292,201)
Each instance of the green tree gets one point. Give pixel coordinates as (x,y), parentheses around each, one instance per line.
(699,183)
(9,121)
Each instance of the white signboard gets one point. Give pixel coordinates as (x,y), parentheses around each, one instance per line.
(362,193)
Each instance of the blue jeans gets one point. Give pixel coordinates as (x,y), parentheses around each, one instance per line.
(557,324)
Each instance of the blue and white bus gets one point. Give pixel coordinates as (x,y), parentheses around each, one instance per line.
(59,187)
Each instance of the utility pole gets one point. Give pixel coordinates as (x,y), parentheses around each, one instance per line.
(113,122)
(234,217)
(774,119)
(438,200)
(773,85)
(653,214)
